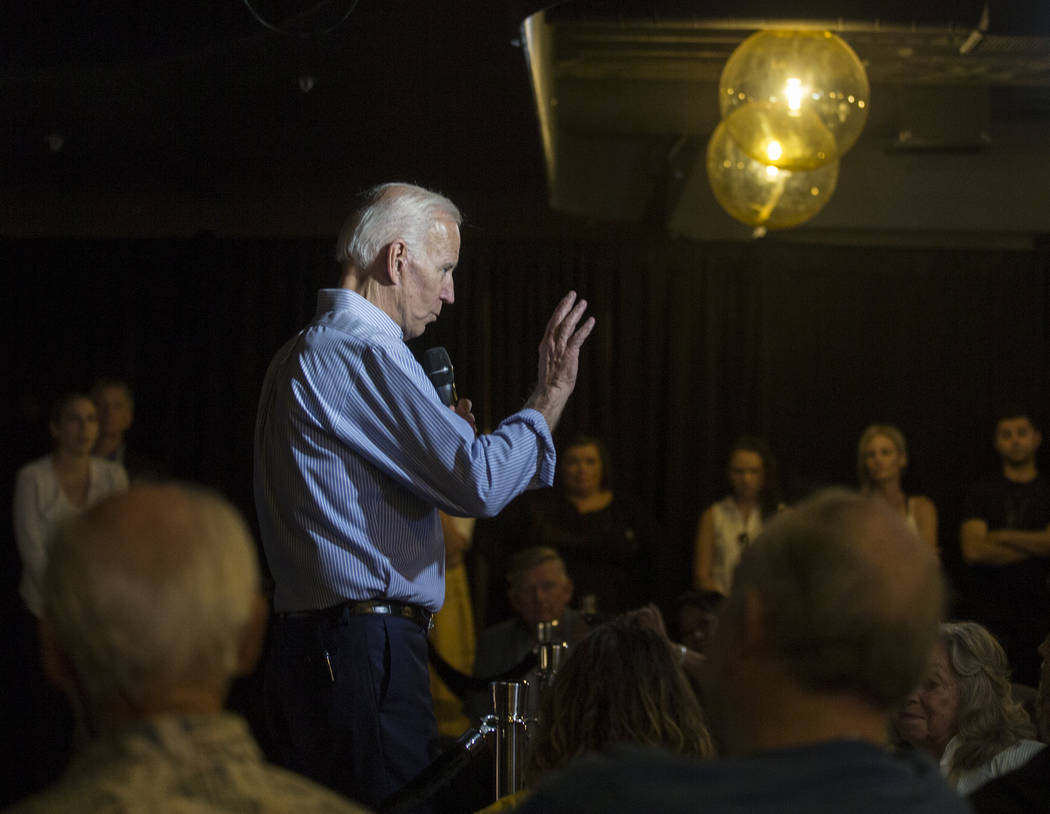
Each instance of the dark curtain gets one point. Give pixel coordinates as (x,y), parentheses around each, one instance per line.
(804,345)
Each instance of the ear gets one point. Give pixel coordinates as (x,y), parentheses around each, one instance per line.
(396,256)
(250,648)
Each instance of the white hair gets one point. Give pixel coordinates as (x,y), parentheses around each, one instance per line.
(141,590)
(389,212)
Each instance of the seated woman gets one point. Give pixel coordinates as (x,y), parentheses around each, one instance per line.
(882,457)
(964,714)
(729,525)
(622,683)
(598,534)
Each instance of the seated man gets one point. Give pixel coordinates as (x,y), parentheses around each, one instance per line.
(539,590)
(151,606)
(833,611)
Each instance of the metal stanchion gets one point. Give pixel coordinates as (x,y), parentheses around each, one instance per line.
(550,650)
(510,726)
(509,723)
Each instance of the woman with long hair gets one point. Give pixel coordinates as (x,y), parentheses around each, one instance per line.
(727,526)
(621,684)
(964,714)
(882,457)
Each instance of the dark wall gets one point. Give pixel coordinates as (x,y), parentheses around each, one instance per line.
(695,343)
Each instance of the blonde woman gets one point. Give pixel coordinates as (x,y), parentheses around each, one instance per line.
(882,457)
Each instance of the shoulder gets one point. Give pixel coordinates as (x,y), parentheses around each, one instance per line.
(1016,755)
(110,472)
(720,509)
(37,468)
(832,776)
(1022,790)
(288,791)
(627,778)
(921,504)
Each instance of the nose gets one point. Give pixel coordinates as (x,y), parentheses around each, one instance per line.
(448,293)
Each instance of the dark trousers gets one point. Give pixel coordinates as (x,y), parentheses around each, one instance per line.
(347,701)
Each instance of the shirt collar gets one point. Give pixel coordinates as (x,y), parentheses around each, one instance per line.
(343,299)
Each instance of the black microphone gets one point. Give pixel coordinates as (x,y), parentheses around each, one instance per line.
(438,365)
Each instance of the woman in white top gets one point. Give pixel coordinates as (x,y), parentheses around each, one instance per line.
(964,714)
(729,525)
(882,457)
(59,485)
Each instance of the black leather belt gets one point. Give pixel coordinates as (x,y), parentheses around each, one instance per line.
(378,607)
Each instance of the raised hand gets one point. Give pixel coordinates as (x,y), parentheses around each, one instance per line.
(559,358)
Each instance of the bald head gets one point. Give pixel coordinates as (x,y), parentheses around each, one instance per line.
(155,586)
(842,596)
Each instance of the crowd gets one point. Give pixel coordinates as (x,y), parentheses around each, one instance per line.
(810,668)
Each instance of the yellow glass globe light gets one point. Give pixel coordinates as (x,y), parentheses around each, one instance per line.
(761,194)
(805,90)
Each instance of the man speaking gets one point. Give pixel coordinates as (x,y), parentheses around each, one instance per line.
(354,455)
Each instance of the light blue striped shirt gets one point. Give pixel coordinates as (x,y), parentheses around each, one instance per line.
(354,454)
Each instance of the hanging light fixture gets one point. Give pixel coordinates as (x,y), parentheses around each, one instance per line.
(763,195)
(794,99)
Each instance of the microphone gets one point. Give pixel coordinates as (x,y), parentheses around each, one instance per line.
(438,365)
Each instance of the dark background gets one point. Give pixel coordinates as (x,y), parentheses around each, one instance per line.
(171,185)
(695,343)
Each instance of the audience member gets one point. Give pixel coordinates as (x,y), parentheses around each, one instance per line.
(598,533)
(47,491)
(696,615)
(1005,538)
(453,635)
(59,485)
(1026,789)
(726,527)
(828,626)
(116,414)
(882,457)
(151,605)
(963,714)
(621,684)
(539,589)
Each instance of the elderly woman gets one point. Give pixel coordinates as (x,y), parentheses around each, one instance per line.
(964,714)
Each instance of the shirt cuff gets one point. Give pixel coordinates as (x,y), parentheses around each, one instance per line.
(547,459)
